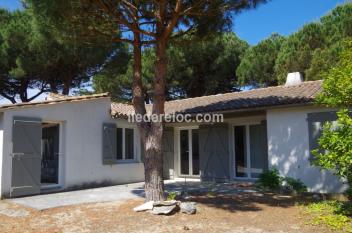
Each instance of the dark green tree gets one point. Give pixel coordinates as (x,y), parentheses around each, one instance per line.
(205,68)
(337,25)
(323,59)
(115,77)
(19,61)
(257,65)
(35,55)
(297,51)
(314,49)
(69,60)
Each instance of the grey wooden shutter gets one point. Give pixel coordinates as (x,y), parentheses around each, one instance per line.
(316,122)
(26,156)
(168,153)
(109,143)
(214,153)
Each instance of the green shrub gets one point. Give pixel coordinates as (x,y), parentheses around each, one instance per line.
(349,193)
(171,196)
(335,150)
(270,179)
(211,194)
(333,214)
(296,184)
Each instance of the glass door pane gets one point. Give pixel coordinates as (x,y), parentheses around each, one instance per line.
(50,154)
(240,151)
(258,150)
(129,144)
(195,152)
(184,152)
(119,150)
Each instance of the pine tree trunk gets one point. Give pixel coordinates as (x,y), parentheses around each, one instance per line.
(153,164)
(153,161)
(151,132)
(66,88)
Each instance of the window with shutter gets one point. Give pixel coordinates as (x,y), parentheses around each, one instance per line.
(129,144)
(119,141)
(109,143)
(316,122)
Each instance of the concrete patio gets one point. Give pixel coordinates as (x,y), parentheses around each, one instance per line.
(126,192)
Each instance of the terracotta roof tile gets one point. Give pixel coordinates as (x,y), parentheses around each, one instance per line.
(62,99)
(262,97)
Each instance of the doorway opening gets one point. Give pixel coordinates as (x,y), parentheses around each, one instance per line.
(189,152)
(250,144)
(50,154)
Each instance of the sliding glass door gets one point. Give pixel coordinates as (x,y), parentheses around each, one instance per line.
(250,148)
(240,151)
(184,151)
(189,152)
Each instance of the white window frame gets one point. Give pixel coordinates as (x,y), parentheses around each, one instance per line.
(190,152)
(135,148)
(248,149)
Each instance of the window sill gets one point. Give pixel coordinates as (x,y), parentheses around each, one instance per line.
(127,161)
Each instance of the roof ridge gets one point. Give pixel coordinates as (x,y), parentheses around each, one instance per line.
(66,99)
(230,93)
(252,90)
(115,102)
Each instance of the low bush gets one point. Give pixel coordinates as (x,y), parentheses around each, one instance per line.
(171,196)
(270,179)
(295,184)
(349,192)
(334,214)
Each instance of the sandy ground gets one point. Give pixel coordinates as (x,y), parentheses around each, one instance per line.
(252,213)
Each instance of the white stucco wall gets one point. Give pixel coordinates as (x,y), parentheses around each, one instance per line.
(288,149)
(80,144)
(1,147)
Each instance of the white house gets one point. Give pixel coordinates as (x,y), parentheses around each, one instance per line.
(78,142)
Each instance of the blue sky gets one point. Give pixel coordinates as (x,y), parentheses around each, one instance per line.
(281,16)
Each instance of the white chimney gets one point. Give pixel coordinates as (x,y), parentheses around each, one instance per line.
(294,79)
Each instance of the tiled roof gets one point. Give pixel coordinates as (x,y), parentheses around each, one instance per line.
(121,110)
(54,100)
(303,93)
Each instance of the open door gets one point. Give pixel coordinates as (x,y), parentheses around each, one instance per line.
(50,154)
(26,156)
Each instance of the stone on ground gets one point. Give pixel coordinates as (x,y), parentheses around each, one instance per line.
(163,209)
(145,206)
(188,207)
(165,203)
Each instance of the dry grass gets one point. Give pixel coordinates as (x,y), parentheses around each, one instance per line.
(239,213)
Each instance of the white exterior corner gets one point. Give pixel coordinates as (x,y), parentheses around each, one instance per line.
(80,157)
(288,149)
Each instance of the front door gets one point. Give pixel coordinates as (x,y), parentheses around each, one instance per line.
(50,154)
(26,156)
(189,152)
(251,155)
